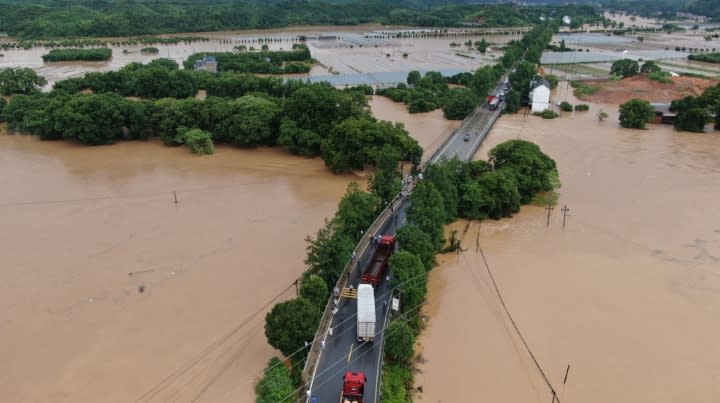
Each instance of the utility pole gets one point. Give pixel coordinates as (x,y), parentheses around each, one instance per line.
(565,211)
(297,289)
(549,209)
(176,200)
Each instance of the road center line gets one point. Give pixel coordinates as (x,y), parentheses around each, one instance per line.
(350,353)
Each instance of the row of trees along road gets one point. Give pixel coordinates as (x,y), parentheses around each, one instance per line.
(241,110)
(516,171)
(692,112)
(431,91)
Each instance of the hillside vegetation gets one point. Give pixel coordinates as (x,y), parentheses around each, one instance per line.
(52,19)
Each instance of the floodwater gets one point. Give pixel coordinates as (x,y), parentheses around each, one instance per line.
(627,295)
(84,228)
(430,129)
(350,53)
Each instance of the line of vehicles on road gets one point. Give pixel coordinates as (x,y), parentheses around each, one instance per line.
(372,275)
(353,389)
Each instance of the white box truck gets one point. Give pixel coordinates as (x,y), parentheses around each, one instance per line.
(365,313)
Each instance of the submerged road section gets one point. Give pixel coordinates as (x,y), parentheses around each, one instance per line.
(335,349)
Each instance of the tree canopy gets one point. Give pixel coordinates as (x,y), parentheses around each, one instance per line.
(636,113)
(290,324)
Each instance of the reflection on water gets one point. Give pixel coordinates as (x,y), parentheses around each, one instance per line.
(627,294)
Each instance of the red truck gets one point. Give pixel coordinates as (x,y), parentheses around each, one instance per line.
(375,270)
(353,387)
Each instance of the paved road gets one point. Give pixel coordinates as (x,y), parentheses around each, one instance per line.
(342,352)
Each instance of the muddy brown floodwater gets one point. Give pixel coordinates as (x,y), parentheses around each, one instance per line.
(628,294)
(85,227)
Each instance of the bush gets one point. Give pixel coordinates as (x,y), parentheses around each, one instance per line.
(150,50)
(399,342)
(661,76)
(635,113)
(276,384)
(59,55)
(583,89)
(199,141)
(565,106)
(582,107)
(547,114)
(397,383)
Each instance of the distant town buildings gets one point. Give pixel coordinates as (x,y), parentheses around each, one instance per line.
(539,95)
(207,63)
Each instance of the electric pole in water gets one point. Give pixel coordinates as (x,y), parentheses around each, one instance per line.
(549,209)
(565,211)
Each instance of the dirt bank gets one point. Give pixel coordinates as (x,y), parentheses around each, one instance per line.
(618,92)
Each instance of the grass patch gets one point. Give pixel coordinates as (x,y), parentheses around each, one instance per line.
(584,89)
(397,383)
(661,76)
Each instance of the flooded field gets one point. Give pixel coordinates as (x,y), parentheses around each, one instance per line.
(85,228)
(113,292)
(430,129)
(627,294)
(349,53)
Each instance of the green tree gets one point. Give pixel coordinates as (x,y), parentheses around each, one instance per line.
(413,77)
(20,81)
(93,119)
(710,100)
(650,67)
(328,252)
(531,167)
(635,113)
(290,324)
(494,195)
(248,121)
(553,80)
(414,240)
(624,68)
(691,116)
(385,182)
(357,210)
(427,211)
(399,342)
(315,290)
(459,102)
(199,141)
(3,104)
(444,177)
(409,277)
(276,383)
(482,46)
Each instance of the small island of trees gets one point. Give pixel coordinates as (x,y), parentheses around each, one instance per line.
(93,54)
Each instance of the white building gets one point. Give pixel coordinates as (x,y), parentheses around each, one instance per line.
(540,95)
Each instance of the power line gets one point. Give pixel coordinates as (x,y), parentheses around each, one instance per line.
(162,385)
(522,338)
(356,356)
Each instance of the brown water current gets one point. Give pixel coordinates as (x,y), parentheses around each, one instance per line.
(628,294)
(84,228)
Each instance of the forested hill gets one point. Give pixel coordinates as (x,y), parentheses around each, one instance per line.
(63,18)
(665,8)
